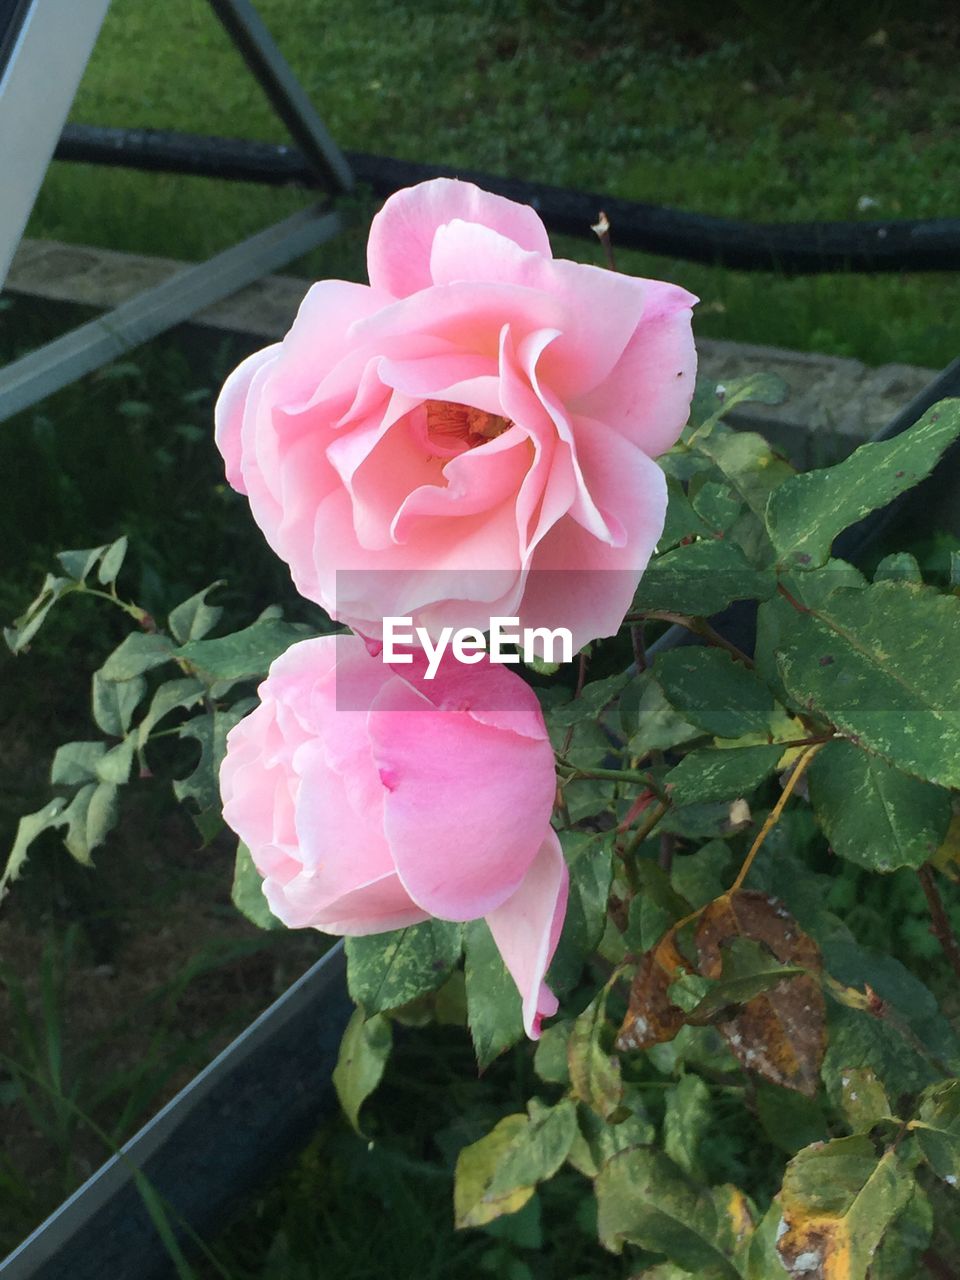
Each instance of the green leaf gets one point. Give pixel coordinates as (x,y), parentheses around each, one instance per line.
(90,816)
(364,1051)
(137,653)
(550,1058)
(863,1099)
(901,566)
(837,1201)
(77,564)
(701,579)
(172,696)
(687,1119)
(788,1118)
(807,512)
(114,766)
(589,859)
(644,1199)
(76,762)
(594,1071)
(748,969)
(210,731)
(592,701)
(910,1233)
(494,1013)
(247,892)
(907,1042)
(872,813)
(31,620)
(28,829)
(749,463)
(476,1168)
(243,654)
(112,561)
(882,663)
(648,719)
(938,1130)
(538,1150)
(388,970)
(713,775)
(114,702)
(714,691)
(194,618)
(600,1140)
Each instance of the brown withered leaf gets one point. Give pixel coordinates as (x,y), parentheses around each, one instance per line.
(652,1017)
(781,1033)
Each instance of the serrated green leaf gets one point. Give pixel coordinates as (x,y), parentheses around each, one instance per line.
(938,1130)
(173,696)
(112,561)
(644,1199)
(837,1202)
(494,1012)
(709,688)
(538,1150)
(589,859)
(872,813)
(388,970)
(114,702)
(194,618)
(28,829)
(247,892)
(210,731)
(900,566)
(246,653)
(77,564)
(594,1072)
(863,1099)
(364,1051)
(701,579)
(882,663)
(808,511)
(898,1257)
(710,775)
(748,969)
(748,462)
(599,1140)
(90,816)
(687,1118)
(76,762)
(139,652)
(25,627)
(114,765)
(649,721)
(476,1167)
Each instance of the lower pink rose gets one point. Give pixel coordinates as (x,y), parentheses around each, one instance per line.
(433,798)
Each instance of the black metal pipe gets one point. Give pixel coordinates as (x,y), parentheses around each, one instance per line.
(791,248)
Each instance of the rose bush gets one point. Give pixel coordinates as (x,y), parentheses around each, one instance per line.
(428,800)
(430,444)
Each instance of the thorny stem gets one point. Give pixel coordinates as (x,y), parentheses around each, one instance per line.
(940,921)
(699,627)
(637,639)
(581,681)
(646,829)
(139,615)
(611,775)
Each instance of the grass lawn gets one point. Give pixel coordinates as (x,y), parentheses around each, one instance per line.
(711,120)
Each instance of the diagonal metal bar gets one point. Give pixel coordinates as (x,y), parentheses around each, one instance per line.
(207,1148)
(259,50)
(33,377)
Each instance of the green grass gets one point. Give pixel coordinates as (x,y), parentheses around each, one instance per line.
(761,128)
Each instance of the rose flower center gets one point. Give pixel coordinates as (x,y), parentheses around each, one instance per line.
(448,423)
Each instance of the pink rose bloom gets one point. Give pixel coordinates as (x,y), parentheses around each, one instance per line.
(478,414)
(428,802)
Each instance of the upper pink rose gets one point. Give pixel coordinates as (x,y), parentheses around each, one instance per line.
(432,799)
(479,411)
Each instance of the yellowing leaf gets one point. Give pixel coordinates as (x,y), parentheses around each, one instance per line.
(473,1203)
(837,1201)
